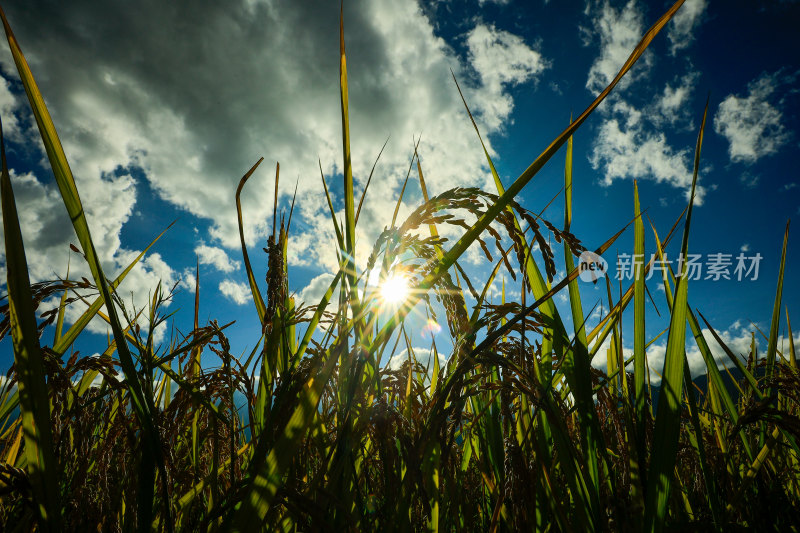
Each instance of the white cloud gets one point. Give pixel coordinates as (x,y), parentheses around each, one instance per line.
(626,148)
(631,141)
(47,232)
(752,124)
(501,58)
(194,118)
(618,31)
(683,25)
(8,106)
(672,106)
(211,255)
(239,293)
(313,292)
(188,280)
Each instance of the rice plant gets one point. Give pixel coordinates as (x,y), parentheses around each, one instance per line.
(516,432)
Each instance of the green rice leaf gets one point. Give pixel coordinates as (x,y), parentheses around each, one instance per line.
(639,327)
(33,398)
(772,344)
(668,415)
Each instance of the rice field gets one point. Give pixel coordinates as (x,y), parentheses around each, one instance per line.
(312,431)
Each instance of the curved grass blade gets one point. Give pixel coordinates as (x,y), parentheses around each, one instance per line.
(312,325)
(339,237)
(405,183)
(258,300)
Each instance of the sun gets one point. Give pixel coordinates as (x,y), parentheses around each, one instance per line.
(394,289)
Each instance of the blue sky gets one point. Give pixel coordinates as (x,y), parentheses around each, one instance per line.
(162,109)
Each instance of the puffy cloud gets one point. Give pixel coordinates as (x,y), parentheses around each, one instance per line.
(194,117)
(108,193)
(8,106)
(313,292)
(672,106)
(619,31)
(211,255)
(684,24)
(630,141)
(752,124)
(239,293)
(501,58)
(626,148)
(188,280)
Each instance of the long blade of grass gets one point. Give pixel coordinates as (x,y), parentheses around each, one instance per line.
(715,380)
(580,361)
(339,237)
(312,325)
(349,199)
(638,327)
(369,180)
(405,183)
(34,400)
(152,451)
(792,353)
(772,344)
(718,389)
(668,414)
